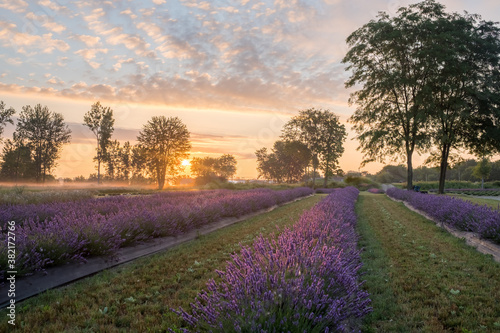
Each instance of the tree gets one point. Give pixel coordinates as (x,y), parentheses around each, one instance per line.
(5,116)
(322,134)
(112,159)
(44,132)
(390,58)
(482,170)
(464,90)
(125,161)
(166,144)
(285,163)
(207,169)
(225,166)
(17,162)
(138,164)
(99,120)
(331,148)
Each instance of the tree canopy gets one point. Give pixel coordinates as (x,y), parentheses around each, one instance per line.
(43,132)
(165,143)
(100,121)
(321,132)
(207,169)
(286,162)
(428,77)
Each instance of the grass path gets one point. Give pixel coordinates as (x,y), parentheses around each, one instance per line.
(137,297)
(492,203)
(422,279)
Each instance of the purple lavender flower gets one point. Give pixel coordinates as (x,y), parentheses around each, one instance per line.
(457,213)
(54,233)
(305,280)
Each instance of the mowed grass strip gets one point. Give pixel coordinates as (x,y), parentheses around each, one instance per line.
(421,278)
(137,297)
(492,203)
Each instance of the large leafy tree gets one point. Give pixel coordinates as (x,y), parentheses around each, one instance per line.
(428,77)
(286,162)
(209,168)
(391,58)
(464,90)
(17,162)
(100,121)
(321,132)
(165,143)
(44,132)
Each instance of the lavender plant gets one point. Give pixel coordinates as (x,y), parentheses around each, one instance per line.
(54,233)
(457,213)
(305,280)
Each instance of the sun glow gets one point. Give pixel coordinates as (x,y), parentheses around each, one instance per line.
(185,163)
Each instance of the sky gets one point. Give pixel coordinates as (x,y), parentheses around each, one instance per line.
(234,71)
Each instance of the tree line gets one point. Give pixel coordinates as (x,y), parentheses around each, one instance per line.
(430,82)
(162,145)
(470,170)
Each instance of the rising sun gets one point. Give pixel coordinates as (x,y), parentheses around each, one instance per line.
(185,163)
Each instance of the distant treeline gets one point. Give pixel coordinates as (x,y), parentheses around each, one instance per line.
(468,170)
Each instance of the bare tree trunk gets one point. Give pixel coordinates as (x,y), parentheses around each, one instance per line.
(444,165)
(409,171)
(327,169)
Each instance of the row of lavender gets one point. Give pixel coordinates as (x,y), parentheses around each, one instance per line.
(457,213)
(305,280)
(51,234)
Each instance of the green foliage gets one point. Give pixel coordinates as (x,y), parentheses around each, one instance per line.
(208,169)
(139,295)
(322,133)
(164,143)
(44,133)
(361,183)
(22,195)
(415,95)
(482,170)
(421,278)
(100,121)
(286,162)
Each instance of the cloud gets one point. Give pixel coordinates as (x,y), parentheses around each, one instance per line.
(89,54)
(14,61)
(90,41)
(16,6)
(9,36)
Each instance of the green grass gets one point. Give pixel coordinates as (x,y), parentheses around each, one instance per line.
(137,297)
(422,279)
(495,204)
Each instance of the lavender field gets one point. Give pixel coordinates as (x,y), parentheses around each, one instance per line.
(305,280)
(59,232)
(459,214)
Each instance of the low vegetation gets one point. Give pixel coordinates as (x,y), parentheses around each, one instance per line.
(419,277)
(137,297)
(456,213)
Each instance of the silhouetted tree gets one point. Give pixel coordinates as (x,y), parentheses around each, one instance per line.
(166,143)
(321,132)
(44,132)
(100,121)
